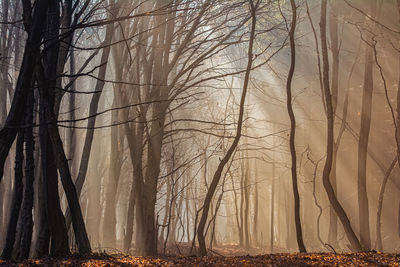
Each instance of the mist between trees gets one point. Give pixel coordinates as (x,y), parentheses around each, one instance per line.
(187,126)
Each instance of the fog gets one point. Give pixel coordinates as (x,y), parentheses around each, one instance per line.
(174,113)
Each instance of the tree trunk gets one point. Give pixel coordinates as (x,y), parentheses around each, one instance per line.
(53,220)
(355,243)
(78,224)
(299,234)
(379,245)
(94,103)
(241,213)
(247,204)
(27,205)
(333,23)
(130,220)
(272,215)
(15,116)
(224,161)
(255,218)
(17,199)
(366,111)
(110,202)
(43,234)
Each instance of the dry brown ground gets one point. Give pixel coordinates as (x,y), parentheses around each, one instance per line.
(283,259)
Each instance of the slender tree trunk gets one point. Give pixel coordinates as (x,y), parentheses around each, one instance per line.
(110,210)
(15,116)
(27,205)
(224,161)
(241,213)
(94,103)
(299,234)
(355,243)
(236,209)
(94,196)
(255,217)
(17,199)
(53,220)
(398,123)
(333,22)
(366,112)
(379,245)
(78,224)
(162,239)
(129,220)
(72,106)
(365,236)
(247,204)
(43,234)
(272,215)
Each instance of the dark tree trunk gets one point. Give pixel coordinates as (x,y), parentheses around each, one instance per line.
(52,222)
(94,103)
(299,234)
(379,245)
(78,224)
(355,243)
(226,158)
(17,198)
(27,206)
(43,234)
(15,116)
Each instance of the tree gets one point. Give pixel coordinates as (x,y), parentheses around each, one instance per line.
(299,234)
(45,75)
(366,110)
(355,243)
(225,159)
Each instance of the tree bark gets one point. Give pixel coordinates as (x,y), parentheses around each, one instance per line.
(355,243)
(17,199)
(110,202)
(333,23)
(299,234)
(15,116)
(53,220)
(379,245)
(225,159)
(27,205)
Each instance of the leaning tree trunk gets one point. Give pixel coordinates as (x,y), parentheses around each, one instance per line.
(355,243)
(17,199)
(15,116)
(54,220)
(379,245)
(61,161)
(225,159)
(94,103)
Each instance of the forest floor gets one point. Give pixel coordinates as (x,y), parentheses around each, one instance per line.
(281,259)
